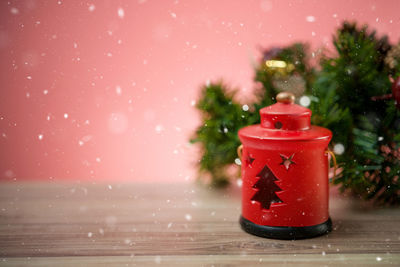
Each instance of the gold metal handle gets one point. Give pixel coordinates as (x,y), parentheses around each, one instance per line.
(334,162)
(239,151)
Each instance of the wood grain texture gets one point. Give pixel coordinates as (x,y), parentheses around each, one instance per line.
(177,224)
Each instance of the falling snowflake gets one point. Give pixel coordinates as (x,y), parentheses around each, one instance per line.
(40,136)
(245,107)
(121,12)
(310,18)
(92,8)
(65,115)
(338,149)
(188,217)
(159,128)
(238,161)
(14,11)
(118,90)
(305,101)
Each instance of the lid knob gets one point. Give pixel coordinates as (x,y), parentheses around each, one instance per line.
(285,98)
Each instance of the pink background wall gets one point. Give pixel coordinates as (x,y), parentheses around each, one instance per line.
(103,90)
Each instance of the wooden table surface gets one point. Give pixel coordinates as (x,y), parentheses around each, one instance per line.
(48,224)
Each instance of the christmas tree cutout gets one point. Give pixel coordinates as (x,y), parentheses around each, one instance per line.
(266,188)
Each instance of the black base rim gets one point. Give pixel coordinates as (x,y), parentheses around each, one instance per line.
(286,232)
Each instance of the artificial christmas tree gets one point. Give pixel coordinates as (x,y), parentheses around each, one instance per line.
(353,92)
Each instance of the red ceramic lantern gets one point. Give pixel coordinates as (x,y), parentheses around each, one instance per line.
(285,173)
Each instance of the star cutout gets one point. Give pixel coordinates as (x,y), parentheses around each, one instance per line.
(249,161)
(287,161)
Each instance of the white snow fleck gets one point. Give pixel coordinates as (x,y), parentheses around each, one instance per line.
(14,11)
(109,54)
(338,149)
(45,92)
(110,187)
(239,182)
(159,128)
(157,259)
(40,136)
(118,90)
(310,18)
(226,130)
(28,95)
(169,225)
(245,107)
(90,234)
(313,33)
(92,8)
(101,231)
(173,15)
(121,12)
(65,115)
(334,15)
(192,103)
(98,159)
(305,101)
(380,138)
(238,161)
(240,44)
(75,45)
(29,77)
(378,258)
(266,5)
(188,217)
(323,253)
(175,151)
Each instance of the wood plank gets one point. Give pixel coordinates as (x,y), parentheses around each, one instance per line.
(353,260)
(44,222)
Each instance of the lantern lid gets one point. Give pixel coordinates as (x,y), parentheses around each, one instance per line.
(285,120)
(285,115)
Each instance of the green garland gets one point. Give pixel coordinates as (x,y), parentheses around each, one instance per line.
(344,94)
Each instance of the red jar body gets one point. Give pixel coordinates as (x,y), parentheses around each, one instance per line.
(304,184)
